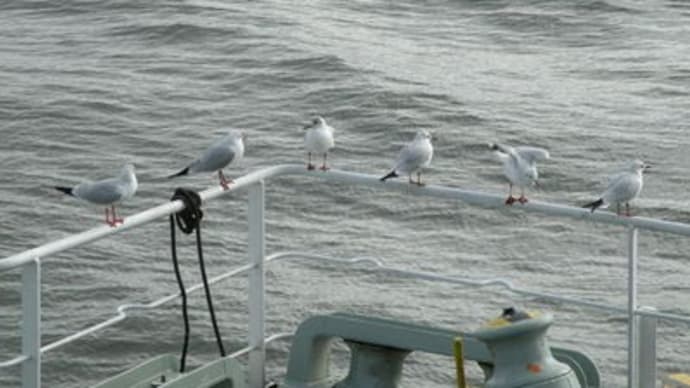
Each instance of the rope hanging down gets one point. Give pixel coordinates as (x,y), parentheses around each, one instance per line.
(189,220)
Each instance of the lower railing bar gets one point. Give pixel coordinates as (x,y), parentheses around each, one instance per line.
(267,340)
(508,286)
(13,362)
(122,313)
(454,280)
(82,333)
(664,316)
(482,283)
(123,309)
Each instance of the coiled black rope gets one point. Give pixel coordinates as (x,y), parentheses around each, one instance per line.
(189,220)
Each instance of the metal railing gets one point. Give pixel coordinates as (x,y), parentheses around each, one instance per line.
(641,321)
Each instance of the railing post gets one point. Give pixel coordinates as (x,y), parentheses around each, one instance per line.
(257,354)
(31,324)
(646,349)
(633,381)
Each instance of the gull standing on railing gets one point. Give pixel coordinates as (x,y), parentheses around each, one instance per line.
(217,156)
(623,187)
(107,192)
(318,140)
(413,157)
(520,167)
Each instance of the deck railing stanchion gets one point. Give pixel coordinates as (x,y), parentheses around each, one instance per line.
(257,355)
(31,324)
(646,348)
(632,307)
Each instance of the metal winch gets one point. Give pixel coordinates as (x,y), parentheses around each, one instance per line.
(520,355)
(512,351)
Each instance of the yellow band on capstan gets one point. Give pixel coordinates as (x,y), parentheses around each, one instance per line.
(459,362)
(680,378)
(500,321)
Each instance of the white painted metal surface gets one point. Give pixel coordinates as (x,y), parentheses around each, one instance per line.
(31,324)
(257,279)
(646,349)
(633,380)
(29,260)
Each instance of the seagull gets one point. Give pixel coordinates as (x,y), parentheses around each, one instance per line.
(318,140)
(520,167)
(413,157)
(623,187)
(223,152)
(106,192)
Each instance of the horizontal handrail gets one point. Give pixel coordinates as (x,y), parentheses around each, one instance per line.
(267,340)
(468,196)
(13,362)
(122,310)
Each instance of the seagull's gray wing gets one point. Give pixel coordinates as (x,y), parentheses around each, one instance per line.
(103,192)
(214,158)
(613,178)
(532,154)
(410,158)
(623,188)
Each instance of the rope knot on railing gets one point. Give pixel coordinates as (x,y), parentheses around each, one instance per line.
(188,219)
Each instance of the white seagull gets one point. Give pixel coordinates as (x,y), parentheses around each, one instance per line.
(227,150)
(623,187)
(107,192)
(318,140)
(520,167)
(413,157)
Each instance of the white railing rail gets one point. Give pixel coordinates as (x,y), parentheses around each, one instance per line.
(30,260)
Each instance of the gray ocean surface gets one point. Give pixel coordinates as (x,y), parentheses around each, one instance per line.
(86,86)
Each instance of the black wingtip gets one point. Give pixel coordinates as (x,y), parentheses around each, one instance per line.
(391,174)
(66,190)
(594,205)
(183,172)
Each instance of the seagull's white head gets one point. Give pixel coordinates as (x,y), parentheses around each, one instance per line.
(236,134)
(638,166)
(127,169)
(532,175)
(317,121)
(423,134)
(127,174)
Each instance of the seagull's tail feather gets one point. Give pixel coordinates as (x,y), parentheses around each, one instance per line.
(66,190)
(594,205)
(391,174)
(497,147)
(185,171)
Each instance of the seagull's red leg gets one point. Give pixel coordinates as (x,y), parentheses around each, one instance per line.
(510,200)
(309,165)
(627,209)
(107,216)
(419,179)
(409,178)
(224,182)
(324,166)
(115,219)
(618,208)
(523,200)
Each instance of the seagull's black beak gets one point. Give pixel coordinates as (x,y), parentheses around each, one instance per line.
(647,167)
(307,126)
